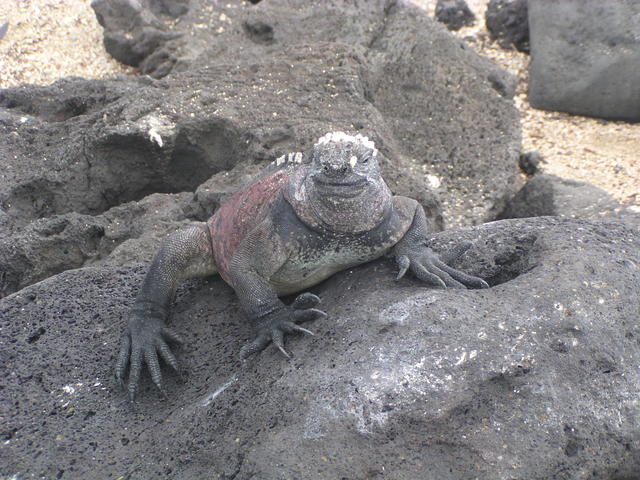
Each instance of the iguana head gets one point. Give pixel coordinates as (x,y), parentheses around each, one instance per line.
(340,188)
(344,166)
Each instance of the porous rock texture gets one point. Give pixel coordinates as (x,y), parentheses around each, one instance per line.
(585,57)
(534,378)
(507,22)
(241,85)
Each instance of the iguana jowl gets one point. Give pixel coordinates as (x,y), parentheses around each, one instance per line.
(305,219)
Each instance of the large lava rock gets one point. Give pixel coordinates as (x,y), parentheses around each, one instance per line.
(585,57)
(534,378)
(237,98)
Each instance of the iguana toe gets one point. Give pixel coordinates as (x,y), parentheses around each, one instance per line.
(134,373)
(298,328)
(123,358)
(273,327)
(305,300)
(168,356)
(464,278)
(256,345)
(403,264)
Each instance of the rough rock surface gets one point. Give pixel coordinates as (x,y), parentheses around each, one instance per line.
(546,194)
(128,233)
(134,29)
(507,22)
(455,14)
(534,378)
(236,98)
(585,57)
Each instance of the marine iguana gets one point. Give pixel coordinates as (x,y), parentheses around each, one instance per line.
(308,217)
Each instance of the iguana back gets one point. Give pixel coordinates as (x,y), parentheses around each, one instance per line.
(240,214)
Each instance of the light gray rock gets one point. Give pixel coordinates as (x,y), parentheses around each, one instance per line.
(534,378)
(585,57)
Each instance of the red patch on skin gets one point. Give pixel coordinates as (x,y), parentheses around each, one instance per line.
(240,214)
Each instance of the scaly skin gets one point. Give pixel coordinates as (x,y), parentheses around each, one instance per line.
(310,217)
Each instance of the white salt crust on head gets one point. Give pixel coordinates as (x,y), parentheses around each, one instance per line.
(341,137)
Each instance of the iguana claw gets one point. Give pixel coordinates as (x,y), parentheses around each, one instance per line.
(141,343)
(427,266)
(273,326)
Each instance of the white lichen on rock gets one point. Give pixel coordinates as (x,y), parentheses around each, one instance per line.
(156,127)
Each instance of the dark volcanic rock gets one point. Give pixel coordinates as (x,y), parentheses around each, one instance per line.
(426,84)
(529,162)
(240,96)
(129,233)
(508,23)
(585,57)
(455,14)
(133,31)
(535,378)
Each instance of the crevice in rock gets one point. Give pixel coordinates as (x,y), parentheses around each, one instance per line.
(380,33)
(512,260)
(120,168)
(127,168)
(259,31)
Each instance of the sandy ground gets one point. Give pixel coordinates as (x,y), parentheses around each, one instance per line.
(50,39)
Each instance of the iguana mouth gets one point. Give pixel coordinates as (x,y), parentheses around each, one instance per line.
(340,188)
(360,182)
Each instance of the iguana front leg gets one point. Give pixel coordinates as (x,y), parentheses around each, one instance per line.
(186,253)
(412,253)
(261,254)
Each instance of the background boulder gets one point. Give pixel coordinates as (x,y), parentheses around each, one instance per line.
(455,14)
(585,57)
(507,22)
(524,380)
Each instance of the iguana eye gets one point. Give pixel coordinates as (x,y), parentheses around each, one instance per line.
(366,158)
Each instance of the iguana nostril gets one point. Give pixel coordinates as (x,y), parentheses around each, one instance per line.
(330,169)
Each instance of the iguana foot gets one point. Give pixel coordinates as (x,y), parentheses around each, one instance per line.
(273,326)
(427,266)
(143,340)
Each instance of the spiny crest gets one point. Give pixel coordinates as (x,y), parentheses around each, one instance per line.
(342,137)
(295,157)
